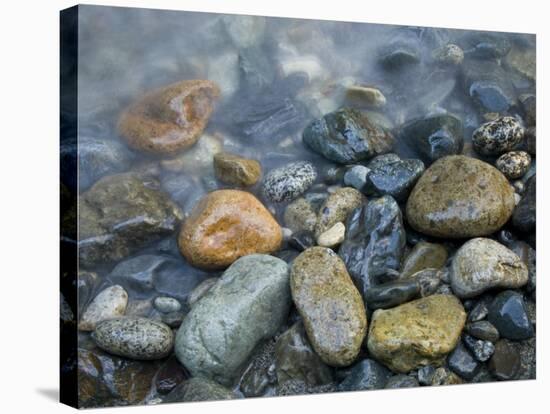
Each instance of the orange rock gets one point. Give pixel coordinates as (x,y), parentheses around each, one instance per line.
(169,119)
(226,225)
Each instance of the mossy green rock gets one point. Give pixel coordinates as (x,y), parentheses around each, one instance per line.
(459,197)
(330,305)
(417,333)
(424,255)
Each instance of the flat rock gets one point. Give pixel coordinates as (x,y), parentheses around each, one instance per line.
(498,136)
(235,170)
(463,363)
(199,389)
(417,333)
(460,197)
(330,305)
(226,225)
(505,364)
(110,303)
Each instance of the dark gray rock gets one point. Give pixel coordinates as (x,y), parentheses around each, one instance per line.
(347,136)
(478,312)
(482,350)
(524,216)
(365,375)
(505,364)
(260,376)
(388,295)
(169,376)
(509,315)
(484,45)
(425,375)
(399,54)
(356,176)
(199,389)
(394,179)
(401,381)
(374,243)
(483,330)
(302,240)
(463,363)
(289,181)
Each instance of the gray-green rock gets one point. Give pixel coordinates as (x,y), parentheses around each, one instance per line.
(248,304)
(424,255)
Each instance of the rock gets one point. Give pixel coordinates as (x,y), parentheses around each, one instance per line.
(346,136)
(508,314)
(478,312)
(365,375)
(529,105)
(333,236)
(382,159)
(498,136)
(530,140)
(356,176)
(426,374)
(330,305)
(108,304)
(401,381)
(417,333)
(260,376)
(302,240)
(300,216)
(459,197)
(169,119)
(337,208)
(482,350)
(86,283)
(118,215)
(525,213)
(449,54)
(429,280)
(398,54)
(166,304)
(365,96)
(135,338)
(443,376)
(226,225)
(394,179)
(505,364)
(296,360)
(199,389)
(197,160)
(247,305)
(173,319)
(523,61)
(374,243)
(484,45)
(235,170)
(170,375)
(388,295)
(433,137)
(482,264)
(424,255)
(289,181)
(514,164)
(483,330)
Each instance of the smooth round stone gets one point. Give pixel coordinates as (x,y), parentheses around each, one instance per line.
(399,54)
(417,333)
(300,215)
(337,207)
(463,363)
(481,264)
(514,164)
(365,375)
(226,225)
(333,236)
(289,181)
(166,304)
(498,136)
(331,307)
(395,179)
(365,96)
(460,197)
(509,315)
(388,295)
(429,280)
(347,136)
(424,255)
(482,350)
(449,54)
(483,330)
(401,381)
(247,305)
(199,389)
(525,214)
(235,170)
(356,176)
(505,364)
(169,119)
(135,338)
(197,160)
(110,303)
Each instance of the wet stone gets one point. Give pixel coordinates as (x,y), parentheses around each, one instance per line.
(337,208)
(383,159)
(424,255)
(508,314)
(260,375)
(388,295)
(302,240)
(425,375)
(166,304)
(169,376)
(365,375)
(365,96)
(525,213)
(449,54)
(478,312)
(399,54)
(394,179)
(173,319)
(483,330)
(482,350)
(356,176)
(333,236)
(484,45)
(498,136)
(346,136)
(401,381)
(289,181)
(235,170)
(199,389)
(514,164)
(200,290)
(300,216)
(443,376)
(463,363)
(505,364)
(110,303)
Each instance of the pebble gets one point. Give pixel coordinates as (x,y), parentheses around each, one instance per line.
(331,307)
(449,54)
(509,315)
(426,374)
(234,170)
(417,333)
(482,350)
(289,181)
(424,255)
(383,159)
(346,136)
(300,216)
(247,305)
(395,179)
(302,240)
(478,312)
(514,164)
(525,213)
(337,208)
(463,363)
(399,54)
(199,389)
(498,136)
(226,225)
(365,375)
(481,264)
(460,197)
(169,119)
(483,330)
(170,375)
(110,303)
(356,176)
(135,338)
(166,304)
(333,236)
(443,376)
(197,160)
(365,96)
(388,295)
(505,364)
(401,381)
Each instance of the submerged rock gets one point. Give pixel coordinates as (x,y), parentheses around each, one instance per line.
(482,264)
(300,216)
(331,307)
(365,375)
(235,170)
(388,295)
(509,315)
(226,225)
(337,208)
(169,119)
(110,303)
(333,236)
(289,181)
(398,54)
(514,164)
(424,255)
(199,389)
(449,54)
(248,304)
(525,213)
(459,197)
(347,136)
(498,136)
(365,96)
(484,45)
(395,179)
(418,333)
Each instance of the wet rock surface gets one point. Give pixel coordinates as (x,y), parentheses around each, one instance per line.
(235,170)
(108,304)
(289,181)
(365,375)
(394,179)
(514,164)
(337,208)
(525,213)
(424,255)
(509,315)
(498,136)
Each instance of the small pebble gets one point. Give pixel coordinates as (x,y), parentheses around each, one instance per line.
(166,304)
(356,176)
(484,330)
(108,304)
(482,350)
(333,236)
(514,164)
(498,136)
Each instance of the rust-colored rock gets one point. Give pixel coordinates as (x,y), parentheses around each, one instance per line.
(226,225)
(169,119)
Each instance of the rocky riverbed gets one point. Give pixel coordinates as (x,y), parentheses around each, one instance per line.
(278,207)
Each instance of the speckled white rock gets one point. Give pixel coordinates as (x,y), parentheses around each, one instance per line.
(333,236)
(498,136)
(289,181)
(108,304)
(514,164)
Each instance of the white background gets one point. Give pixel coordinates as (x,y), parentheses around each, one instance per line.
(29,204)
